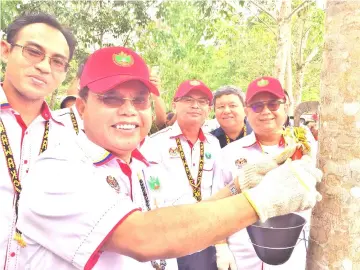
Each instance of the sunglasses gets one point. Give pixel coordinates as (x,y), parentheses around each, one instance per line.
(140,103)
(272,105)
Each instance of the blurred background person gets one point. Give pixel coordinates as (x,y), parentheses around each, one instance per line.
(68,101)
(229,112)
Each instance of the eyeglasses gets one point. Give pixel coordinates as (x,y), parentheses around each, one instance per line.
(191,100)
(272,105)
(140,103)
(36,56)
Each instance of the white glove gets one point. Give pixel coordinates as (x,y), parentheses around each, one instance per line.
(286,189)
(287,153)
(251,174)
(224,257)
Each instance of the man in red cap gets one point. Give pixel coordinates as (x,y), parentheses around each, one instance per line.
(189,156)
(265,108)
(92,200)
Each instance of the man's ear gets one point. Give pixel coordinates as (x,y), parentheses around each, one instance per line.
(5,51)
(80,106)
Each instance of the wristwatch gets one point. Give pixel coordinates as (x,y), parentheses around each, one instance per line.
(233,189)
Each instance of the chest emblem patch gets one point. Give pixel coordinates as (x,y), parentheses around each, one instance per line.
(240,162)
(113,183)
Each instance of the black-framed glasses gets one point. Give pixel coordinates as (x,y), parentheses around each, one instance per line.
(140,103)
(35,56)
(272,105)
(191,100)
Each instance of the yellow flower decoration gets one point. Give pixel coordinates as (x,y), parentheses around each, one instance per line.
(297,135)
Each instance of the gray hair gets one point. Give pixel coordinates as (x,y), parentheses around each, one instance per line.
(229,90)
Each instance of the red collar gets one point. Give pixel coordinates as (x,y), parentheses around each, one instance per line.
(136,154)
(108,157)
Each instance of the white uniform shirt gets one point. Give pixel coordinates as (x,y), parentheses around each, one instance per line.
(64,115)
(248,150)
(162,148)
(25,142)
(79,193)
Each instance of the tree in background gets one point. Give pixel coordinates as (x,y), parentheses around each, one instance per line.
(335,230)
(214,41)
(94,23)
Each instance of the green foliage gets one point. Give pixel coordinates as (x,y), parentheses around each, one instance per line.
(206,40)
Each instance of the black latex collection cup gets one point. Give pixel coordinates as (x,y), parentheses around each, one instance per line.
(275,239)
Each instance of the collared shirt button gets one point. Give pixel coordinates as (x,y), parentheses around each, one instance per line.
(12,254)
(27,170)
(25,161)
(193,164)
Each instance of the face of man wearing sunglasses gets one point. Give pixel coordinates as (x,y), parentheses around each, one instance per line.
(266,113)
(192,109)
(118,119)
(30,73)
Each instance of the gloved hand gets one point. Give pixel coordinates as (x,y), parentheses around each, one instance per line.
(224,257)
(286,189)
(251,174)
(287,153)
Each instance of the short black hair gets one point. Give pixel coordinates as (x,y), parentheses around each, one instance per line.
(39,17)
(229,90)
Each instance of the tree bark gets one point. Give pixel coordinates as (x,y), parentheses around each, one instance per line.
(335,226)
(289,81)
(283,40)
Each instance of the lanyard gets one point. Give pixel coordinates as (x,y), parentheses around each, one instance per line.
(154,264)
(195,187)
(74,122)
(10,162)
(244,134)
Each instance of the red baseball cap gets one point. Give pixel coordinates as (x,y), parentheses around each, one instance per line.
(186,86)
(264,84)
(111,66)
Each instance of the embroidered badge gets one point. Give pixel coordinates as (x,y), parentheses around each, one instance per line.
(122,59)
(194,83)
(262,83)
(154,183)
(208,155)
(113,183)
(240,162)
(173,151)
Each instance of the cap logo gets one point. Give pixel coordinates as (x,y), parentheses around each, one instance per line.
(123,60)
(262,83)
(194,83)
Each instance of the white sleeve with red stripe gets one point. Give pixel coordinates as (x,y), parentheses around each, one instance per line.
(67,209)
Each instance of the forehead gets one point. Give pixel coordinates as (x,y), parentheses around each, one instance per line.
(263,96)
(228,98)
(48,37)
(130,88)
(196,94)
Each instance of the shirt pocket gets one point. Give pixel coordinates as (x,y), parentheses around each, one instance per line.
(207,179)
